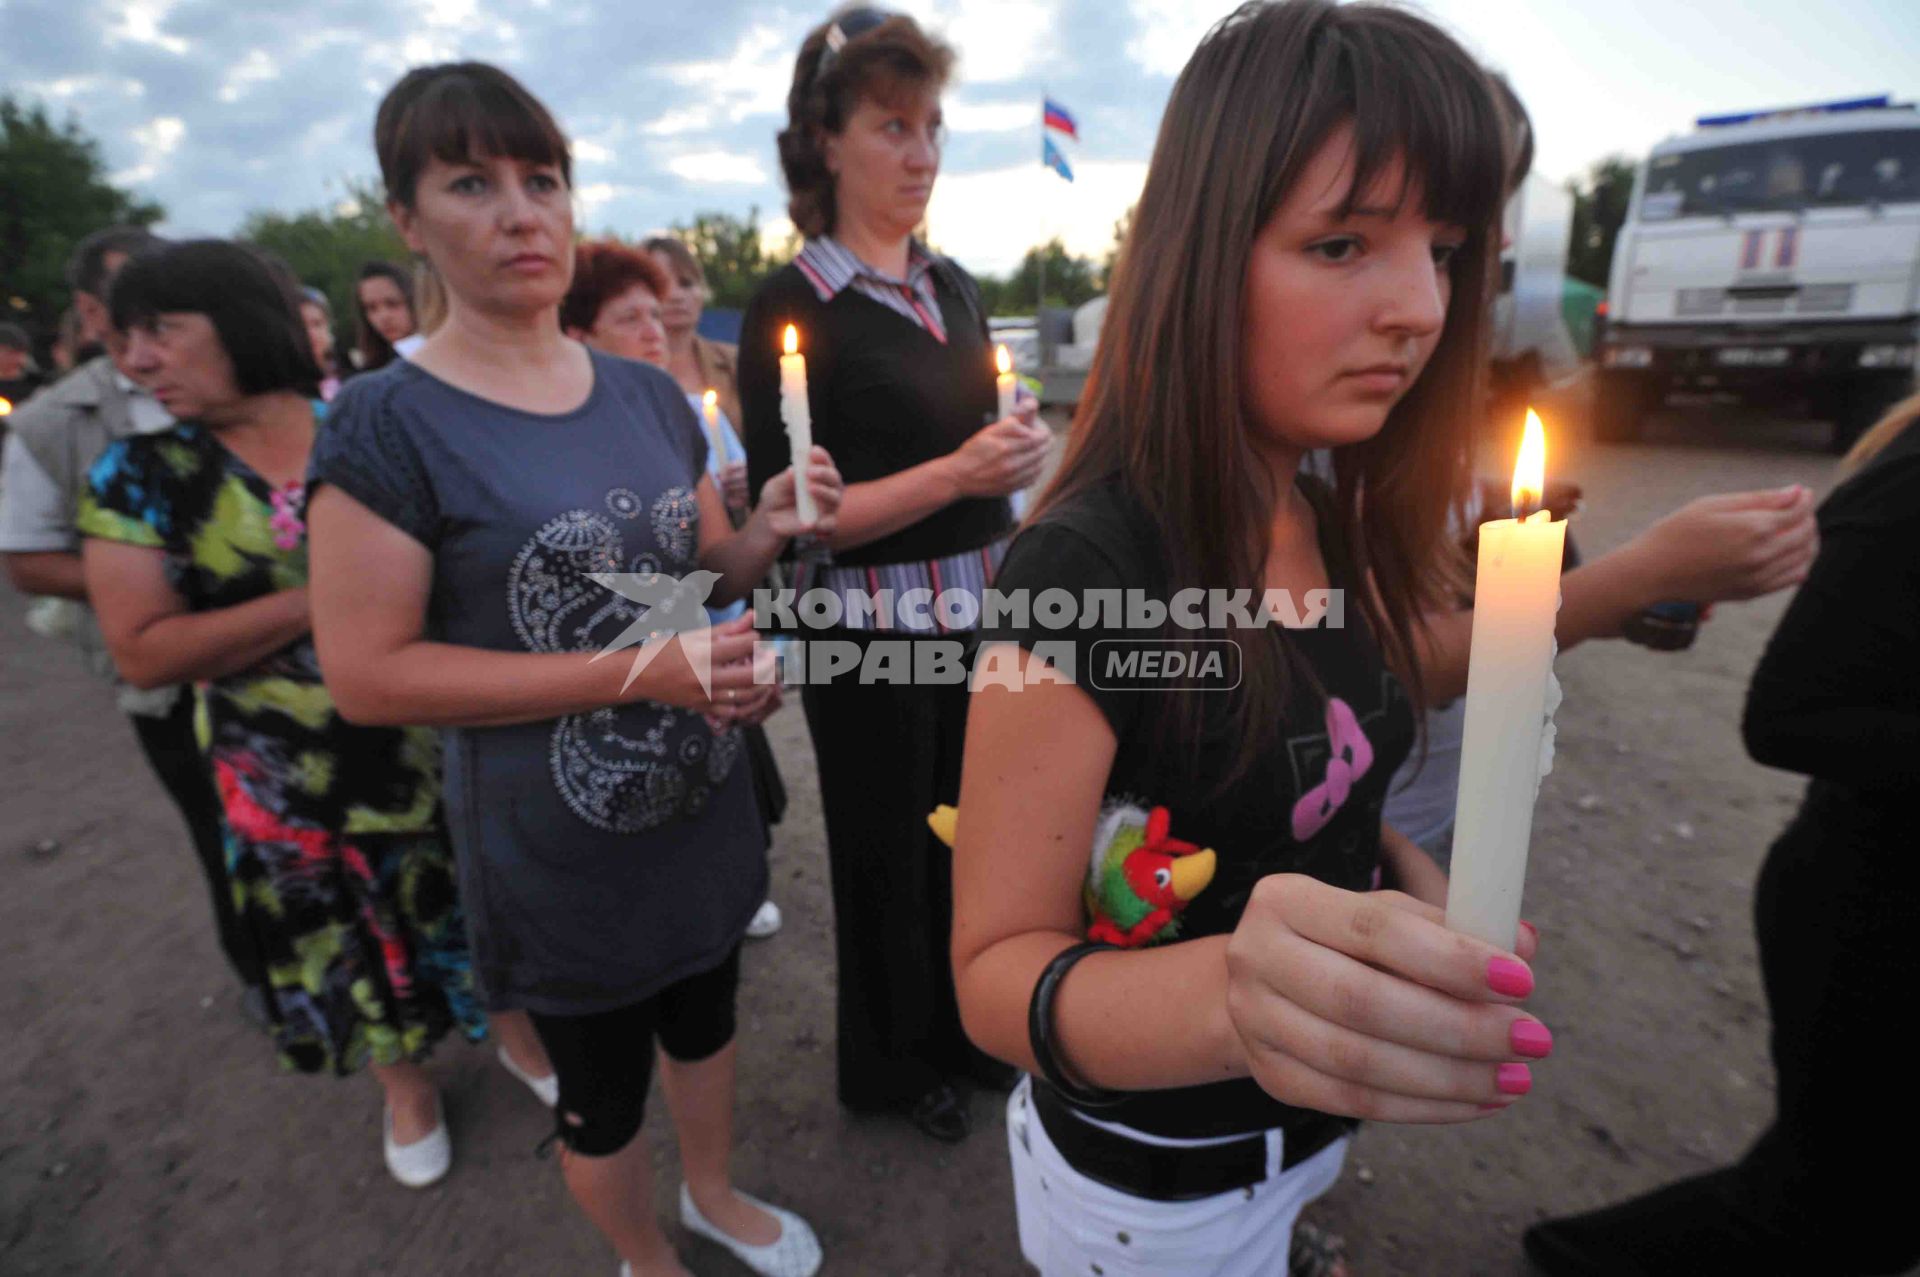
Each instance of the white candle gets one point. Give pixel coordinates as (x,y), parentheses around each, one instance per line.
(799,423)
(1509,685)
(710,409)
(1005,382)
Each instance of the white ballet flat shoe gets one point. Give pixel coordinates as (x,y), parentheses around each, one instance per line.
(424,1161)
(766,921)
(546,1088)
(795,1253)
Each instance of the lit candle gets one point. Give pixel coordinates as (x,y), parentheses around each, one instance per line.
(6,406)
(710,408)
(799,423)
(1511,696)
(1005,382)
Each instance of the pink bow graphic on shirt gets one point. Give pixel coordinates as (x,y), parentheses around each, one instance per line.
(1348,760)
(288,527)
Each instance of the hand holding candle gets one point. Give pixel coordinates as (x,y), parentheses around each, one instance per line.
(799,422)
(1511,694)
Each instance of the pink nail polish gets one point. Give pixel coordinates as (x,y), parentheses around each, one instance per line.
(1514,1079)
(1509,978)
(1530,1038)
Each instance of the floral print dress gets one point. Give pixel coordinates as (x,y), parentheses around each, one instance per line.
(335,843)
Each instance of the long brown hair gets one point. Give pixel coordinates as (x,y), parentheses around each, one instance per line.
(375,350)
(1881,433)
(1163,409)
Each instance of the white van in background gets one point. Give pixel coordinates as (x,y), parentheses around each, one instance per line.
(1773,254)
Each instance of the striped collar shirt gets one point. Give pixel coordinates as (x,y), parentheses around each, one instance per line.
(831,266)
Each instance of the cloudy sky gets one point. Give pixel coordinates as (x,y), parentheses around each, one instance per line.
(217,108)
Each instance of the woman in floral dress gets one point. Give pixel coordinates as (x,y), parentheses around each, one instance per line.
(197,562)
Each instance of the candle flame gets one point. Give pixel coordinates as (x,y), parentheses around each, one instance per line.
(711,398)
(1530,472)
(6,406)
(1002,360)
(792,340)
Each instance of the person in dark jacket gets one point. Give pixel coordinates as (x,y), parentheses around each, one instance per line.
(1836,698)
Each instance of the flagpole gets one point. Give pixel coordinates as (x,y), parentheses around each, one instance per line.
(1040,305)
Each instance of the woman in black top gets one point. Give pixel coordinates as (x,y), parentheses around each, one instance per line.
(1307,268)
(1836,698)
(900,384)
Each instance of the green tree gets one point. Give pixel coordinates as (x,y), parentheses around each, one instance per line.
(325,247)
(1599,207)
(1071,280)
(1120,230)
(53,193)
(731,253)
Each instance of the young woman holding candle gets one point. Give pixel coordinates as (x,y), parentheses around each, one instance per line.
(1836,698)
(466,501)
(1309,267)
(899,385)
(1717,548)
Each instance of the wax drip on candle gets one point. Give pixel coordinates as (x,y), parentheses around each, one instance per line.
(1547,730)
(1554,696)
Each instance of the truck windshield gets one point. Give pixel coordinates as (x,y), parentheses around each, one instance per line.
(1786,174)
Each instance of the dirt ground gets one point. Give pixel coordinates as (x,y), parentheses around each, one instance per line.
(145,1129)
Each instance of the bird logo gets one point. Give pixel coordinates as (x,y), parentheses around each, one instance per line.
(674,605)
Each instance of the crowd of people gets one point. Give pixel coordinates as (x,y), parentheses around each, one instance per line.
(423,806)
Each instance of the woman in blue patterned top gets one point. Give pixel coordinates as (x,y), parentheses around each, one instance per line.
(489,516)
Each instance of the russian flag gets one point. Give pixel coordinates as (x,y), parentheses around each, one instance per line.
(1055,116)
(1051,157)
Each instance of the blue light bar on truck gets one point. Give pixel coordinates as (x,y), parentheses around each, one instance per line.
(1787,112)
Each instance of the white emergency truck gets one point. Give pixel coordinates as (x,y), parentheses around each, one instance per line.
(1774,255)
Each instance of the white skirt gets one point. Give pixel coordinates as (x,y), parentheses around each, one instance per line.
(1072,1226)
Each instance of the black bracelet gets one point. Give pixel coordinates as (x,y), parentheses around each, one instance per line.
(1040,1030)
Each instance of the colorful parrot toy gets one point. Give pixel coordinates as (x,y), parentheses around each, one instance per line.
(1139,877)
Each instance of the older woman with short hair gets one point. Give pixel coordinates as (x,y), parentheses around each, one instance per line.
(901,390)
(613,303)
(196,561)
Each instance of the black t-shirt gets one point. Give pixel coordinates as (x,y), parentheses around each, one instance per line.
(885,395)
(1311,805)
(1837,695)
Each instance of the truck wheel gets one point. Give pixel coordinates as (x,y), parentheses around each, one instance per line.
(1619,403)
(1857,407)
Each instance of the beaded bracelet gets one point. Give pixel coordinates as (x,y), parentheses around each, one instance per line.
(1040,1030)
